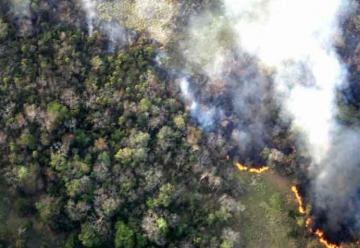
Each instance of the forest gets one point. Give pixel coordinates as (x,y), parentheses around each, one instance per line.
(100,149)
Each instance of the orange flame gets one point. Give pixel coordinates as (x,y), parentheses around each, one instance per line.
(318,233)
(321,236)
(260,170)
(299,200)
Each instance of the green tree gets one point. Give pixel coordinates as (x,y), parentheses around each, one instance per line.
(82,139)
(71,241)
(57,111)
(124,236)
(164,197)
(4,27)
(28,140)
(166,137)
(78,186)
(90,236)
(179,121)
(48,208)
(162,225)
(125,155)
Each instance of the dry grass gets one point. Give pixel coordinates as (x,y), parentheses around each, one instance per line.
(153,17)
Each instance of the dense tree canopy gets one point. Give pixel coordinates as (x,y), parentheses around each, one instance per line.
(98,147)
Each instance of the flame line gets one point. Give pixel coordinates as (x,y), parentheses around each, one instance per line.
(318,233)
(260,170)
(299,200)
(301,208)
(321,237)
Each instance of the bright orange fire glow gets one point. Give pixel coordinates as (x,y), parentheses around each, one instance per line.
(299,200)
(318,233)
(301,208)
(321,236)
(260,170)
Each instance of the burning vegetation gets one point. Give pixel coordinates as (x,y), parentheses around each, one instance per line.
(318,233)
(112,112)
(257,170)
(270,77)
(321,236)
(309,222)
(299,199)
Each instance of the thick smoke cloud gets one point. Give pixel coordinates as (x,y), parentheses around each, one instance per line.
(336,185)
(297,51)
(293,46)
(234,97)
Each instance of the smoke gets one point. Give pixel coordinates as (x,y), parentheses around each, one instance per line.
(89,7)
(298,52)
(21,7)
(154,18)
(203,114)
(336,187)
(22,16)
(234,96)
(302,54)
(243,63)
(117,35)
(292,59)
(122,20)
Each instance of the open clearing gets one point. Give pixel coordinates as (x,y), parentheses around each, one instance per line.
(269,218)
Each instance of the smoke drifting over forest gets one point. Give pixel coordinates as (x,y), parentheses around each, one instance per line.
(294,65)
(89,7)
(294,60)
(297,55)
(255,57)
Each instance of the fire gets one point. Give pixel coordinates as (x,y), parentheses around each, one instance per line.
(299,199)
(321,236)
(318,233)
(308,223)
(260,170)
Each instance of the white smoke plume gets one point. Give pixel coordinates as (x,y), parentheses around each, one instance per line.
(294,43)
(203,114)
(236,89)
(301,51)
(117,35)
(336,185)
(297,50)
(89,7)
